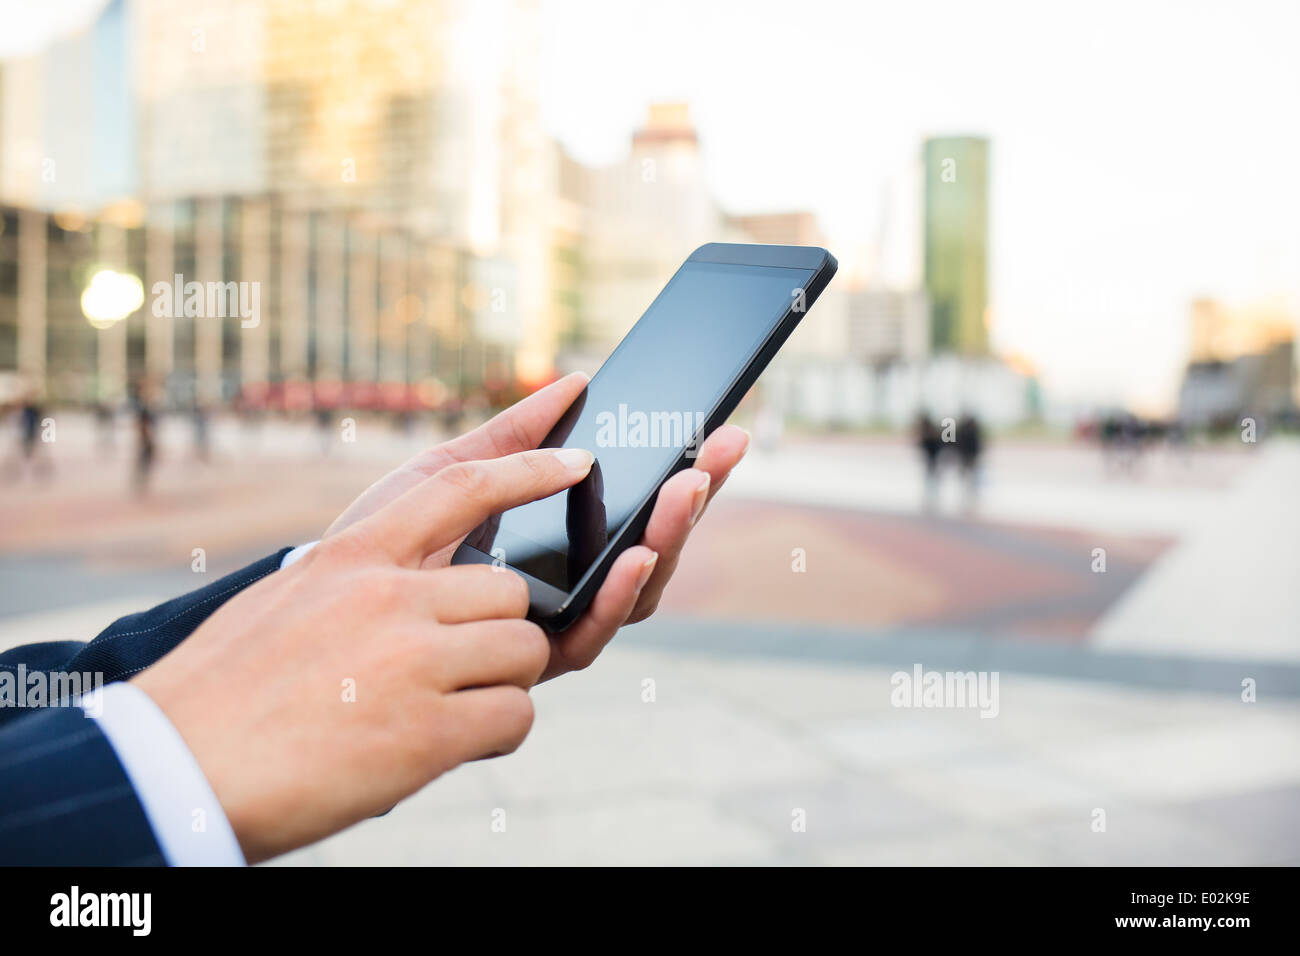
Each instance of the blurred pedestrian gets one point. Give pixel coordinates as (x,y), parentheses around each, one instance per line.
(105,426)
(324,429)
(1123,436)
(970,445)
(930,442)
(30,451)
(202,434)
(145,441)
(1179,442)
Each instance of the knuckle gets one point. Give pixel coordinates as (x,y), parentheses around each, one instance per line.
(516,714)
(469,478)
(641,613)
(408,643)
(517,598)
(384,588)
(581,660)
(348,547)
(519,434)
(426,464)
(536,645)
(507,590)
(540,467)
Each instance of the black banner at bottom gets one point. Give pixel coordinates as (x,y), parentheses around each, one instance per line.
(269,904)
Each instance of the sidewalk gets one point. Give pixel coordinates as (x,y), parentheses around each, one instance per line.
(1118,691)
(1041,484)
(714,770)
(1231,586)
(743,731)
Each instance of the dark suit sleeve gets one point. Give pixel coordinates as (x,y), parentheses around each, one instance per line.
(64,797)
(130,644)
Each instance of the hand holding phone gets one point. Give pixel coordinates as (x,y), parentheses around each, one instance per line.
(635,583)
(674,379)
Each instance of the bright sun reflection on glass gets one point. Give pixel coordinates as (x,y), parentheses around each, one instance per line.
(111,297)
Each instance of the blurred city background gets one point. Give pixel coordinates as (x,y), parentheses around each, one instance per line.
(254,253)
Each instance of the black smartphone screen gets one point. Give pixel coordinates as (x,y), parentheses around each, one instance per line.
(648,403)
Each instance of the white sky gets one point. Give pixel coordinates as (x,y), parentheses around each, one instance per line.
(1143,153)
(29,24)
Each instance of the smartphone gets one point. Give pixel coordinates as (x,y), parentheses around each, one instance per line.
(676,376)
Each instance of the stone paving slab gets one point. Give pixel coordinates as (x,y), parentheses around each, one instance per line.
(713,770)
(1231,587)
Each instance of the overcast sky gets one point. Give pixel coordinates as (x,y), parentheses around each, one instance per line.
(1143,153)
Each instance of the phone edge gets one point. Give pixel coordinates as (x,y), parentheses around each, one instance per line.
(554,619)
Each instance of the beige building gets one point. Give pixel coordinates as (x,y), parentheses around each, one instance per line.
(402,113)
(798,228)
(645,215)
(339,153)
(405,110)
(1220,332)
(1242,360)
(378,171)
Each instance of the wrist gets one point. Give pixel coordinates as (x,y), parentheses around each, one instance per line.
(209,736)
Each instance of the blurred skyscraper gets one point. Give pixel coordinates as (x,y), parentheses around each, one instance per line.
(380,173)
(67,119)
(378,169)
(956,242)
(403,109)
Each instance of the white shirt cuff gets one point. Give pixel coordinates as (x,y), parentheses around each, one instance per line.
(183,812)
(295,554)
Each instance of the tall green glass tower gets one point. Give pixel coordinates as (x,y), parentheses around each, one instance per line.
(956,242)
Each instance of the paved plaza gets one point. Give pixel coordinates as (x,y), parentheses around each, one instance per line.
(753,720)
(716,769)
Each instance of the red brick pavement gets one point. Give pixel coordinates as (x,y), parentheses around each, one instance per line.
(867,570)
(881,571)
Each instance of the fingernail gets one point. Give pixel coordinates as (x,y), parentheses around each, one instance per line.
(748,437)
(647,569)
(701,496)
(577,460)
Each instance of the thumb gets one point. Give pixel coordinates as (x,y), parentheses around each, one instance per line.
(454,501)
